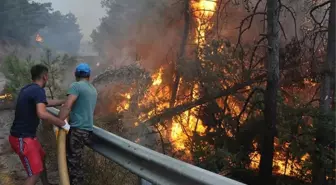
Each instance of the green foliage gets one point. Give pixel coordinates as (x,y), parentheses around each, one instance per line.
(17,72)
(211,158)
(325,147)
(56,65)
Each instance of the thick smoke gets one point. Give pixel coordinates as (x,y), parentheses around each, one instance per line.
(143,30)
(88,13)
(150,31)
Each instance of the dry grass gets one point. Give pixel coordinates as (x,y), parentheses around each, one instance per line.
(99,170)
(48,141)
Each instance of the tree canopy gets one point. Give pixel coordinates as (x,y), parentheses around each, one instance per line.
(62,33)
(22,20)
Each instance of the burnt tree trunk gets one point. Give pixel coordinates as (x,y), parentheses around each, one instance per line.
(270,97)
(185,34)
(179,60)
(319,169)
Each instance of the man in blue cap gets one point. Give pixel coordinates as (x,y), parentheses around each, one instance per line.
(79,107)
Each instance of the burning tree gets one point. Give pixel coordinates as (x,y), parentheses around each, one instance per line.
(199,91)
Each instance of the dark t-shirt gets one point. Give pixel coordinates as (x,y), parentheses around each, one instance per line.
(26,120)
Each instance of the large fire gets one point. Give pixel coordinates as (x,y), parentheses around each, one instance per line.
(186,124)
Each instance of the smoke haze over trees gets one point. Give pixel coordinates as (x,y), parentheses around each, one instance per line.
(62,33)
(22,20)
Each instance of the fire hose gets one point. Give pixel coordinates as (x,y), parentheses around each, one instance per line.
(61,156)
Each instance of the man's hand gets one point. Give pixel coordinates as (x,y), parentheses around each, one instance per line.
(66,127)
(66,108)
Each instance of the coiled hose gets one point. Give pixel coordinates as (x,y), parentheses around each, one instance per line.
(61,156)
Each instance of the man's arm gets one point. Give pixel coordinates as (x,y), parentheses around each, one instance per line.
(54,103)
(41,102)
(73,93)
(43,114)
(66,108)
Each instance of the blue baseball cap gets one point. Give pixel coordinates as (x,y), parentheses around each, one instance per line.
(83,70)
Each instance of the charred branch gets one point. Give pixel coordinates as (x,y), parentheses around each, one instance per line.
(291,11)
(318,7)
(249,17)
(243,30)
(185,34)
(245,105)
(169,113)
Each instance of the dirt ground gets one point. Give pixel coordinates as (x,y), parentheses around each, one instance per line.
(11,170)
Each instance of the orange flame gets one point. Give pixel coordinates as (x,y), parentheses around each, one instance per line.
(282,164)
(38,38)
(5,96)
(124,105)
(185,124)
(203,11)
(158,77)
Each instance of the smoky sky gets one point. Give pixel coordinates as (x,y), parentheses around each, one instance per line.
(88,12)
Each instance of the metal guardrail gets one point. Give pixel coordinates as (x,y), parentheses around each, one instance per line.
(151,165)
